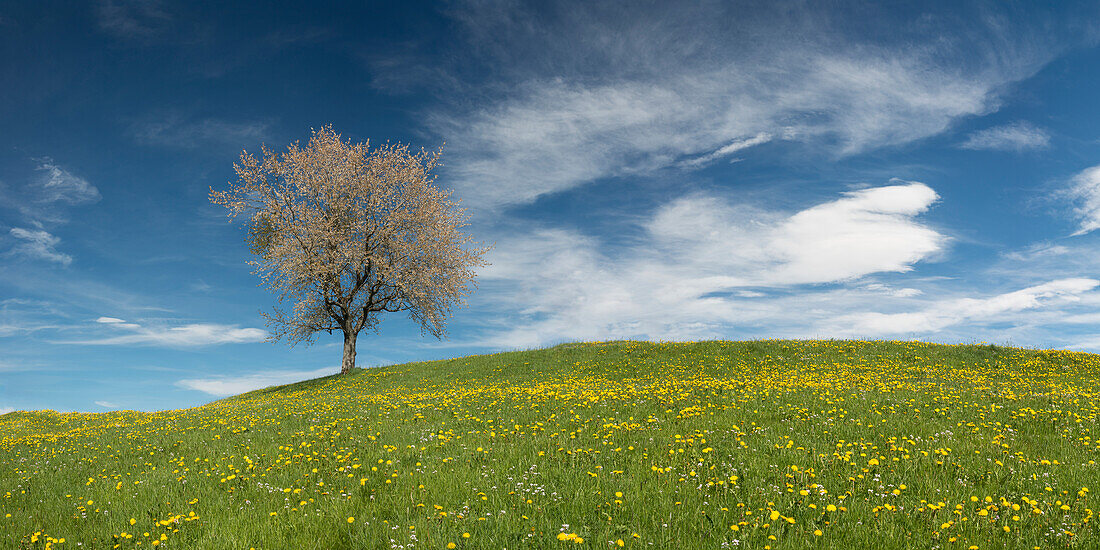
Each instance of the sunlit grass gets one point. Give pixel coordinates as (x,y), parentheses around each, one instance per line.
(770,444)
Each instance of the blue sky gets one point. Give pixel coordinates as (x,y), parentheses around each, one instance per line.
(658,171)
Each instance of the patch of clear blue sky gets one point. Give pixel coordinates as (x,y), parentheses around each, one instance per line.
(150,103)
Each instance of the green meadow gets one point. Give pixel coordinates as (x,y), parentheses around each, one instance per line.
(763,444)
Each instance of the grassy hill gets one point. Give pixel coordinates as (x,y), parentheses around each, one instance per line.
(767,444)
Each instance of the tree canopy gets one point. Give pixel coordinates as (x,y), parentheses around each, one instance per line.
(344,234)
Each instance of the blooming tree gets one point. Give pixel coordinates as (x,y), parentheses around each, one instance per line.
(345,233)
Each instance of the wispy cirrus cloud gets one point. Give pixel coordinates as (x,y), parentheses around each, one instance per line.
(1084,189)
(22,317)
(187,335)
(46,198)
(1018,136)
(942,314)
(42,203)
(891,291)
(223,386)
(59,185)
(682,87)
(555,136)
(38,244)
(727,150)
(106,404)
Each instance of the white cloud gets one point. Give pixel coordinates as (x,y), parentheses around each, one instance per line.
(942,314)
(1089,343)
(890,291)
(1018,136)
(558,136)
(106,404)
(866,231)
(726,150)
(704,268)
(6,410)
(59,185)
(1038,251)
(678,86)
(749,294)
(42,202)
(196,334)
(1085,189)
(223,386)
(701,266)
(38,244)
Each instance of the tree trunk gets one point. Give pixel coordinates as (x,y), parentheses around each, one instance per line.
(349,352)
